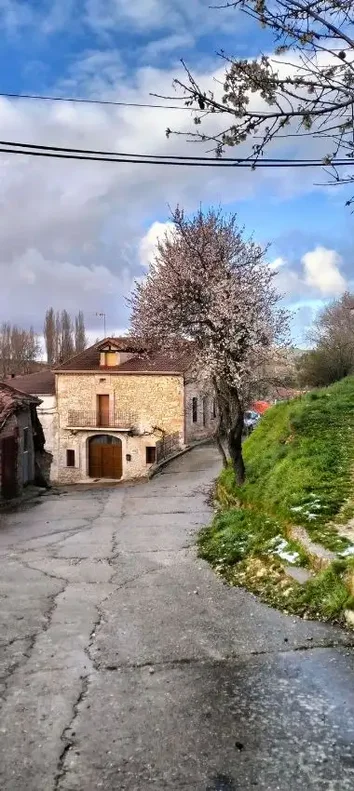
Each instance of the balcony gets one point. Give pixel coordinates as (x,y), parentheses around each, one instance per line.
(120,421)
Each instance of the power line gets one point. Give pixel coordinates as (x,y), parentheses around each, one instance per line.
(107,102)
(245,163)
(118,156)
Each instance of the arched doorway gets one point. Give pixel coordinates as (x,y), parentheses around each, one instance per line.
(105,457)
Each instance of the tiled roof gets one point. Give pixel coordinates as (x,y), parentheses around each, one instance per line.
(38,383)
(12,400)
(89,360)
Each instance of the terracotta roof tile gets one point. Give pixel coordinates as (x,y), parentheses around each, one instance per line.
(89,360)
(38,383)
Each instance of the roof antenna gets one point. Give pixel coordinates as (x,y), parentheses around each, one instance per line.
(103,316)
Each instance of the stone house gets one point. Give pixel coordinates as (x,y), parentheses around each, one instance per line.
(121,411)
(20,438)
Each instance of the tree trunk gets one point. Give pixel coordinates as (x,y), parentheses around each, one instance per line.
(234,441)
(231,422)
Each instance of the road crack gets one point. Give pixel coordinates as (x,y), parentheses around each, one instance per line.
(67,737)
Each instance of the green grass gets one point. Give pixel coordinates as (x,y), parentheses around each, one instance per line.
(299,461)
(238,533)
(299,471)
(239,544)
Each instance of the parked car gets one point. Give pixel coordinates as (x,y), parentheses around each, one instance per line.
(250,420)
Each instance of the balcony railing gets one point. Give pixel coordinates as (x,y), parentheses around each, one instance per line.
(84,419)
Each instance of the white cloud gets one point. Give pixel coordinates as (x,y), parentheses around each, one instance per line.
(318,277)
(277,263)
(148,244)
(154,15)
(77,216)
(73,233)
(321,268)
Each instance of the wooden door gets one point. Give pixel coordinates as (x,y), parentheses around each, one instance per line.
(111,461)
(9,483)
(95,461)
(103,410)
(105,458)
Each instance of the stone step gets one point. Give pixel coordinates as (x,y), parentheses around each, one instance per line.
(298,573)
(320,557)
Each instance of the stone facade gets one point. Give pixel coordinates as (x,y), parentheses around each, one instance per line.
(200,416)
(158,404)
(156,401)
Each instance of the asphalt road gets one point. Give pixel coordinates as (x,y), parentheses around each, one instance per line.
(126,665)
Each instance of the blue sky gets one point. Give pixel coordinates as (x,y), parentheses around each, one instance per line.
(75,235)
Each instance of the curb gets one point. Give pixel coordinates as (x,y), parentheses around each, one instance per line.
(157,467)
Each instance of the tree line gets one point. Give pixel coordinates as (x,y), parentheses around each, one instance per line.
(63,336)
(20,349)
(332,340)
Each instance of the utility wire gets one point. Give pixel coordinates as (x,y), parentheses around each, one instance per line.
(153,161)
(128,157)
(79,100)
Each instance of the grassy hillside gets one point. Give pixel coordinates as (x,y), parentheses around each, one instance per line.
(299,466)
(300,459)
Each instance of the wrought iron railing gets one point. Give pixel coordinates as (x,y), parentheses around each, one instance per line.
(87,419)
(167,446)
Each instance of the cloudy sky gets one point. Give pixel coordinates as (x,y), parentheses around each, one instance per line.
(76,234)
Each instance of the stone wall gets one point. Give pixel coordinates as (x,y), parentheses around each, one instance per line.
(133,447)
(205,424)
(157,401)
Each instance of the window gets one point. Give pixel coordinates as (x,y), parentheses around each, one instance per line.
(25,440)
(214,407)
(150,454)
(205,404)
(194,410)
(70,458)
(103,410)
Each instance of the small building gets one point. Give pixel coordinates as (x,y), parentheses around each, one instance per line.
(41,384)
(20,438)
(120,411)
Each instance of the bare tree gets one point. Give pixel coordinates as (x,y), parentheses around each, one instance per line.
(80,335)
(67,342)
(19,349)
(210,287)
(306,89)
(332,357)
(50,335)
(5,349)
(58,338)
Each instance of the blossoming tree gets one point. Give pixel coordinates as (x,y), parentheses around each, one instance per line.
(212,288)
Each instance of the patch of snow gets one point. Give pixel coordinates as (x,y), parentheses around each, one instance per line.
(296,508)
(346,553)
(281,548)
(290,557)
